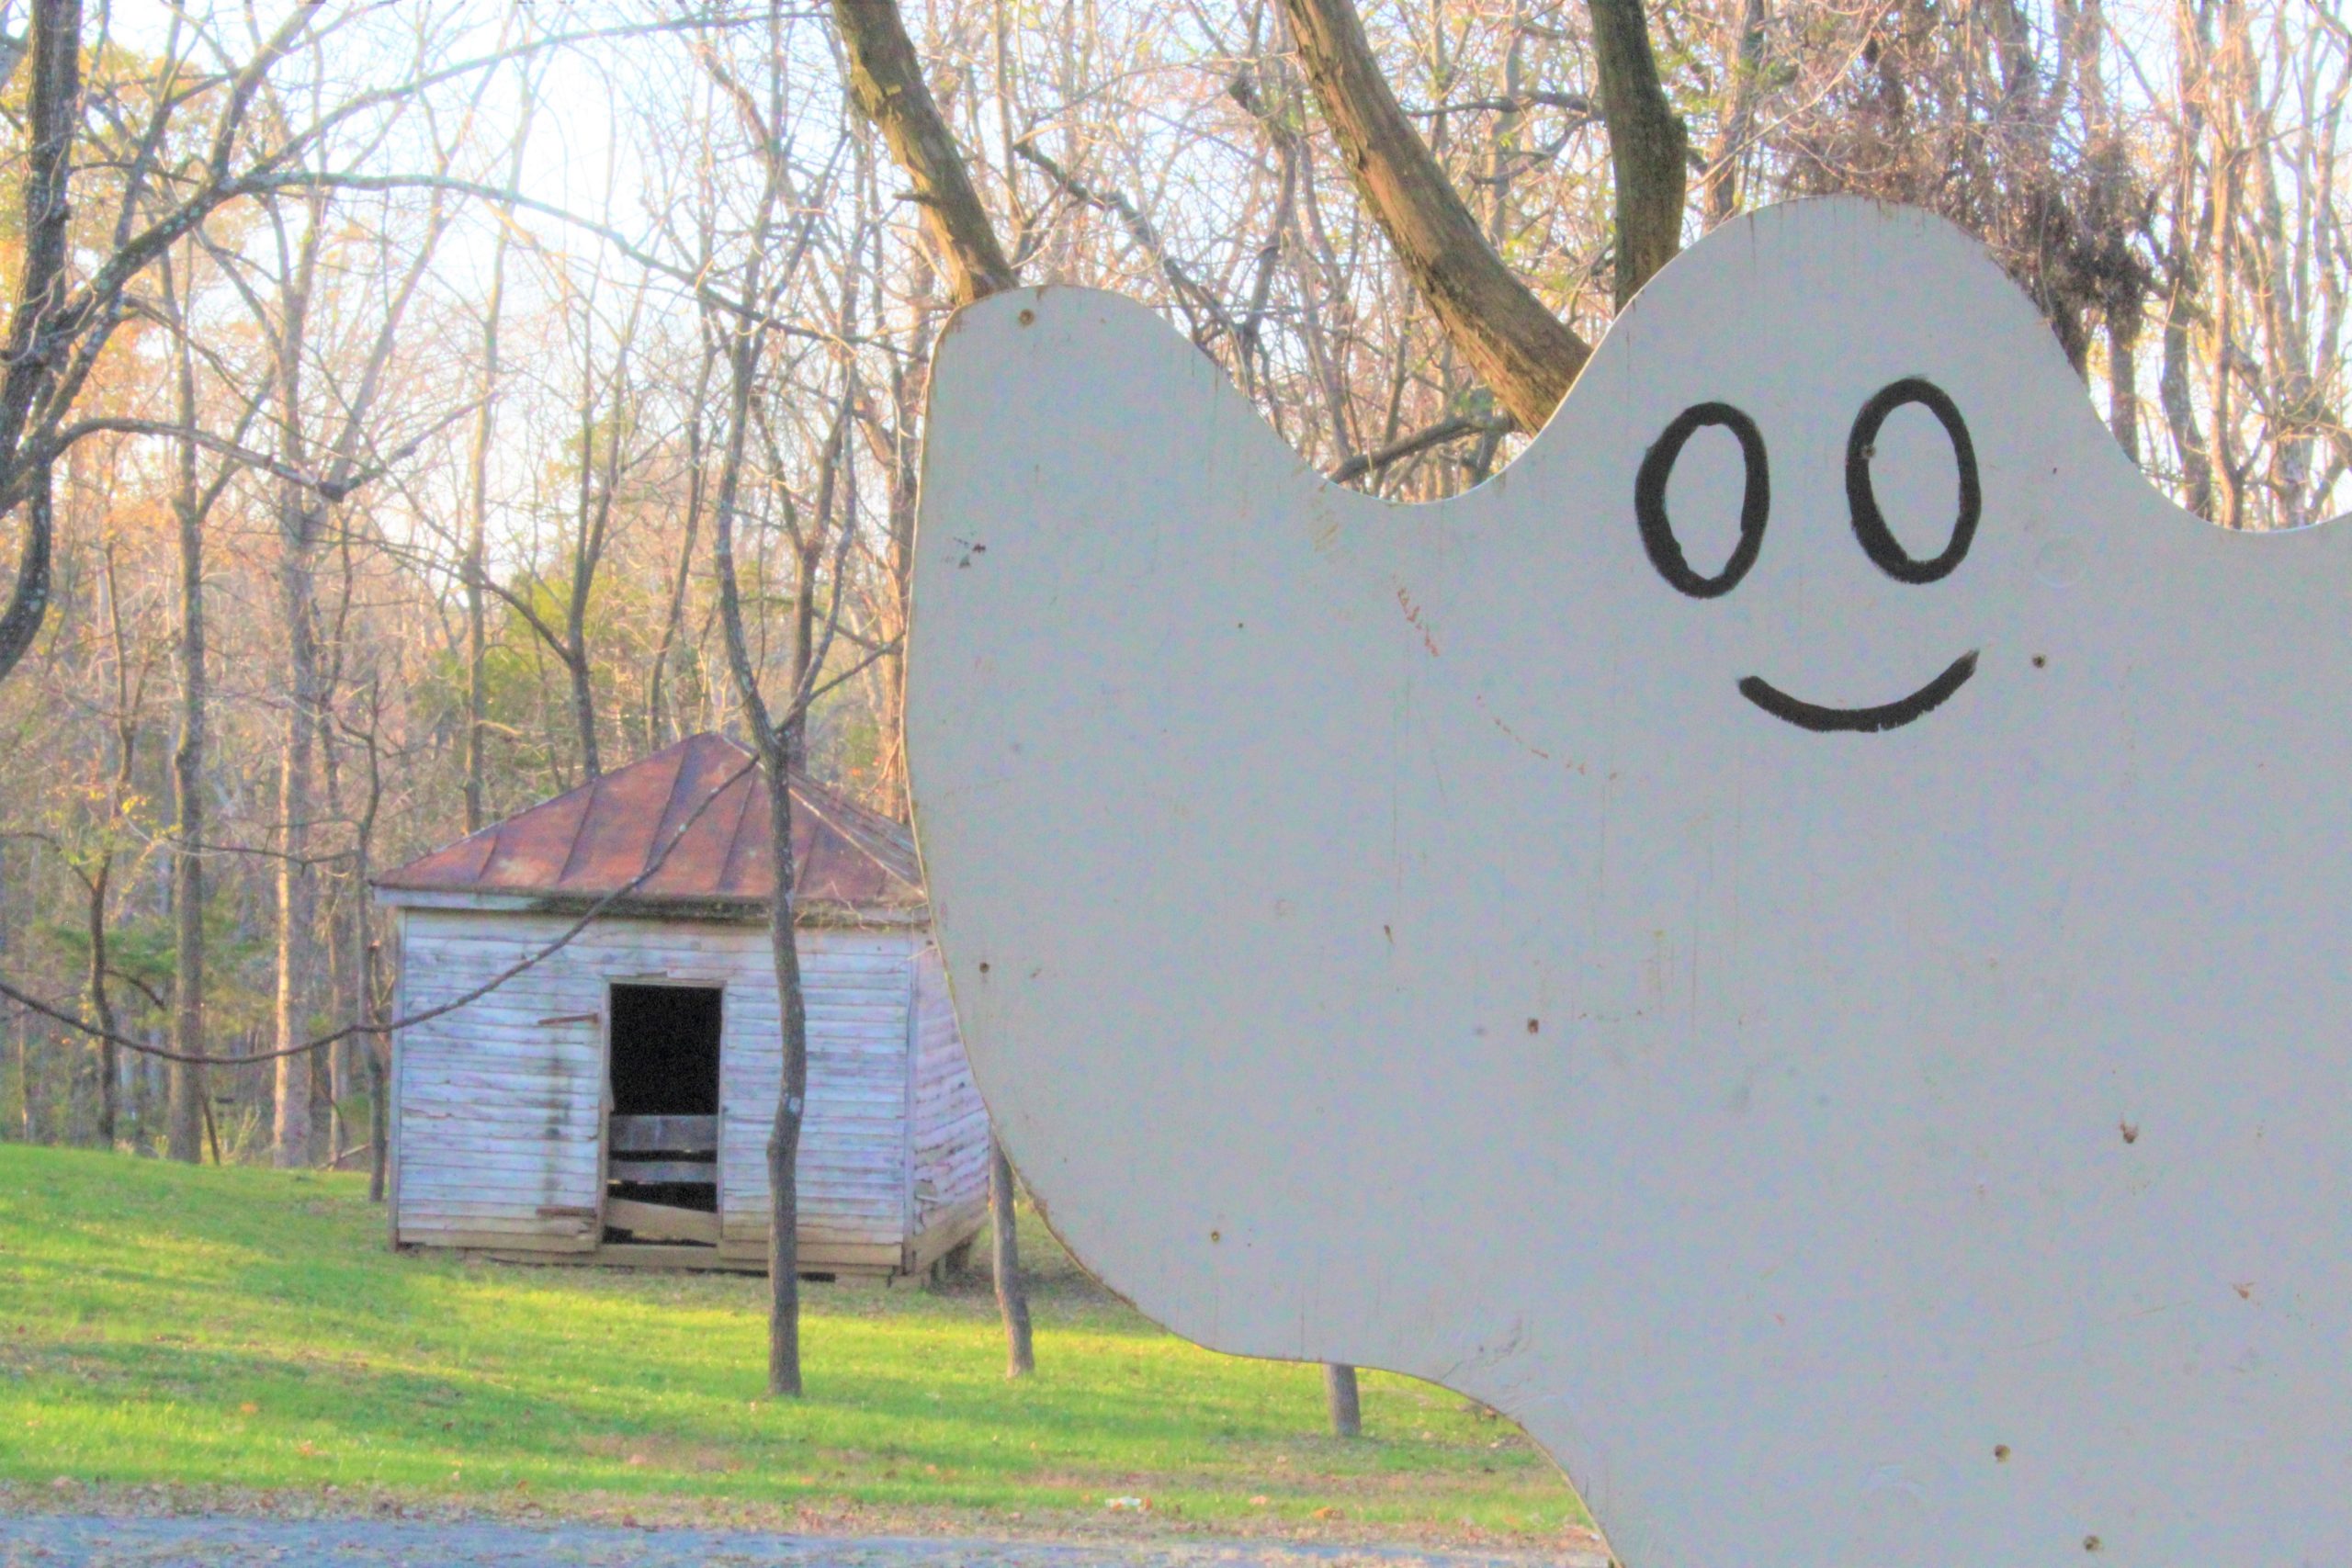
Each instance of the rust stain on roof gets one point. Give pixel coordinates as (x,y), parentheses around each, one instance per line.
(709,795)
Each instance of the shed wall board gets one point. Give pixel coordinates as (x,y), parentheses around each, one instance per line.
(948,1126)
(852,1171)
(499,1116)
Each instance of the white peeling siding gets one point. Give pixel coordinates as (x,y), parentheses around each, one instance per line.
(501,1114)
(853,1150)
(950,1124)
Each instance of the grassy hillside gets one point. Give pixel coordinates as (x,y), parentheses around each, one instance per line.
(246,1328)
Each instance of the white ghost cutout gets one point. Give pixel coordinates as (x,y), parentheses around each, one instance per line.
(1845,1039)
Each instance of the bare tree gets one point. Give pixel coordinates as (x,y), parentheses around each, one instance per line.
(477,566)
(193,498)
(606,416)
(1517,346)
(341,453)
(885,81)
(776,730)
(39,318)
(1648,145)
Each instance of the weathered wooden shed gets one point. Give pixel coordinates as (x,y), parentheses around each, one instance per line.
(612,1103)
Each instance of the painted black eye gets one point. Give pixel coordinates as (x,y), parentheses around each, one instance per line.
(1869,523)
(1755,502)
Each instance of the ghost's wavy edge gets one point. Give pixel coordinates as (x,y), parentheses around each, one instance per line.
(1824,216)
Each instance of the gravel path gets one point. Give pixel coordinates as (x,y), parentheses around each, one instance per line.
(86,1541)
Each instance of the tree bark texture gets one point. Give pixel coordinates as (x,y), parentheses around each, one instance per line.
(477,552)
(783,1133)
(1648,145)
(13,1027)
(182,1137)
(887,82)
(791,1101)
(101,1005)
(36,334)
(478,483)
(1005,1255)
(1721,188)
(1528,355)
(378,1130)
(657,732)
(291,1133)
(596,508)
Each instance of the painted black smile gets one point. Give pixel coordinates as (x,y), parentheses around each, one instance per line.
(1867,721)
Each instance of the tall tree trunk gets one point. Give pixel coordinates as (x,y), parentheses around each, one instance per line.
(33,1125)
(2123,374)
(1004,1256)
(291,1132)
(592,509)
(582,678)
(784,1131)
(673,616)
(811,556)
(2224,161)
(744,343)
(477,612)
(2192,53)
(2172,394)
(885,81)
(379,1116)
(101,1006)
(478,486)
(1512,339)
(365,950)
(1649,146)
(380,1049)
(118,796)
(2111,211)
(901,453)
(1721,189)
(183,1139)
(53,109)
(343,923)
(14,1029)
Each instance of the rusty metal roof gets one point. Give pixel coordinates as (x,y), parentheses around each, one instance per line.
(709,795)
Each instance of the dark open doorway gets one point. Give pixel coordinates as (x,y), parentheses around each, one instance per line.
(663,1161)
(666,1050)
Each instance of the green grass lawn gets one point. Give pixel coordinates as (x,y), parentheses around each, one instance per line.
(247,1332)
